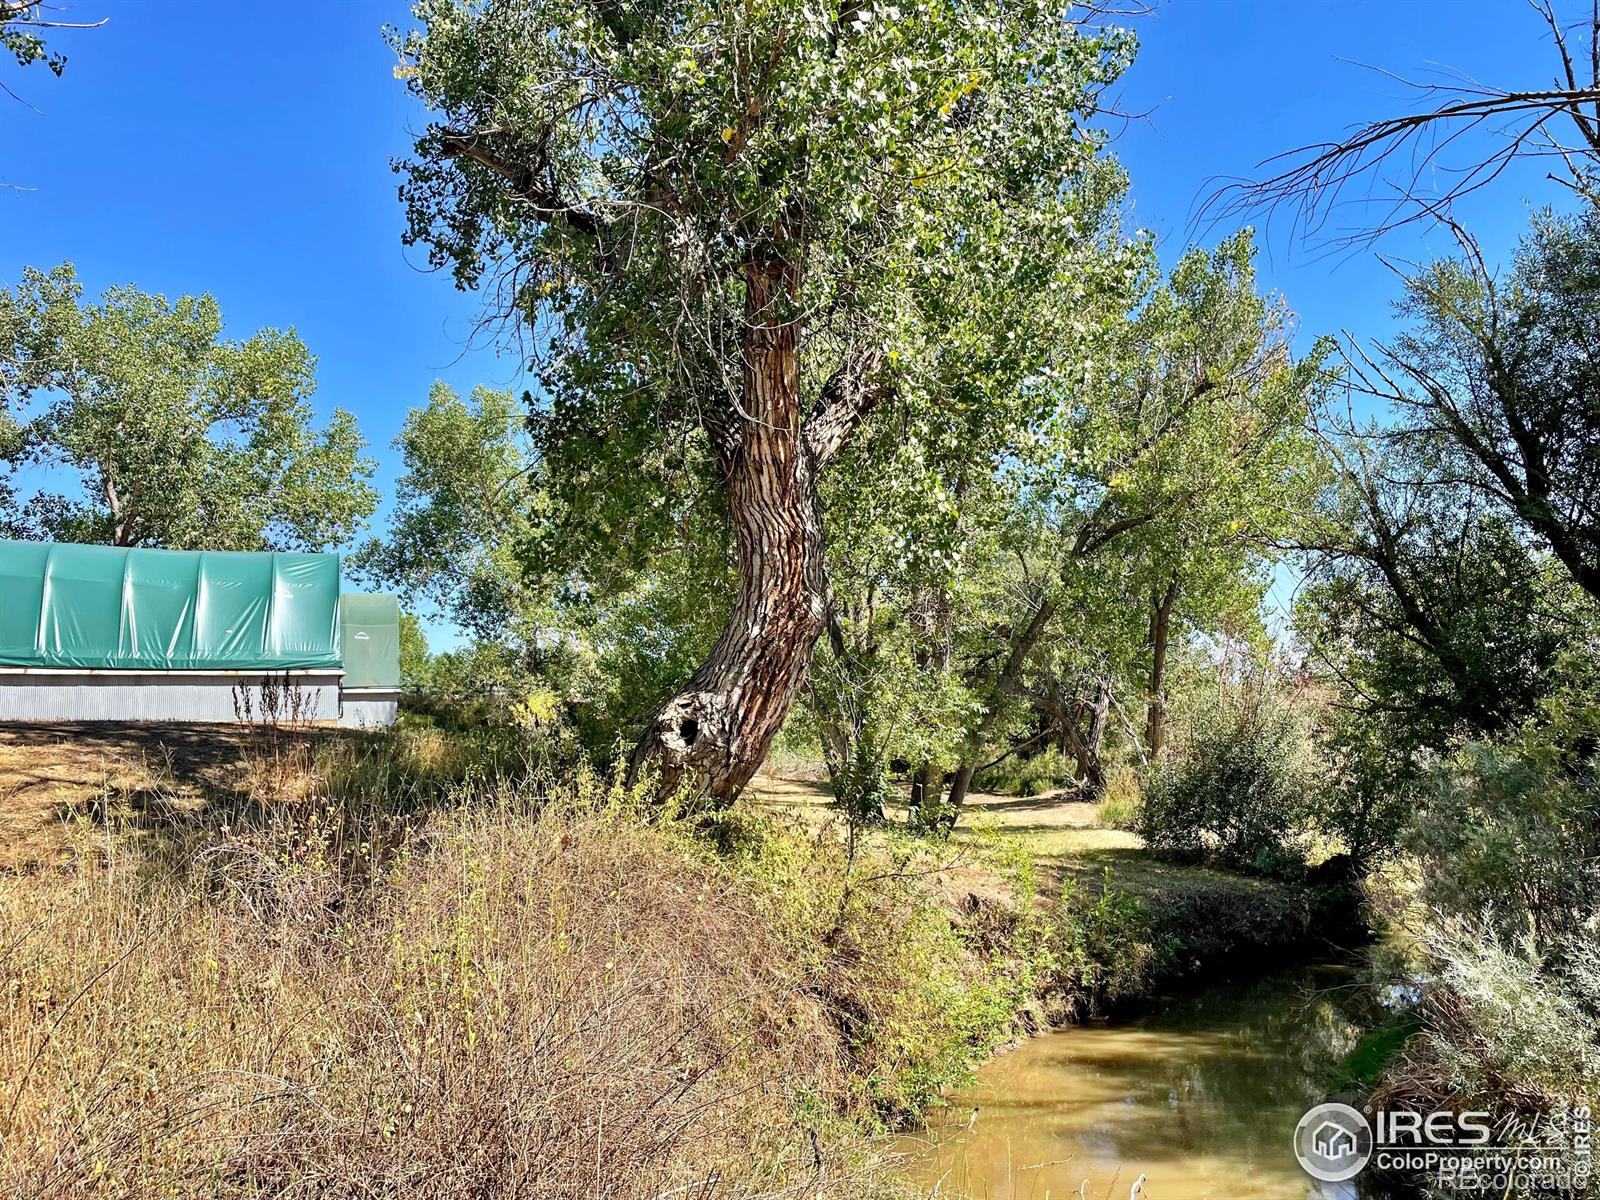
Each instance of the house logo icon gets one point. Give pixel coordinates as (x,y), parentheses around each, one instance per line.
(1333,1142)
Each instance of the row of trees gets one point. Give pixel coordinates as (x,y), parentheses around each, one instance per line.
(1452,602)
(984,576)
(165,432)
(840,340)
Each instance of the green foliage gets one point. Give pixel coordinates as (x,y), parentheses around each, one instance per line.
(463,508)
(1496,918)
(1121,800)
(1511,836)
(414,654)
(1128,468)
(1370,788)
(1502,385)
(20,25)
(1501,1030)
(1031,776)
(1437,613)
(1101,946)
(181,438)
(472,526)
(911,155)
(1452,606)
(1235,789)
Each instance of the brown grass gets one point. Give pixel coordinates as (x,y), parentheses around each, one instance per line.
(413,965)
(514,996)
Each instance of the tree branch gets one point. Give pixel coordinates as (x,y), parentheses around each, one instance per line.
(850,393)
(528,181)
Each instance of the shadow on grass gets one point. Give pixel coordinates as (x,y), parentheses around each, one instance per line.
(183,783)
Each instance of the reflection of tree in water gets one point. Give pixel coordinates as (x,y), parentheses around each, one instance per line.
(1203,1092)
(1245,1047)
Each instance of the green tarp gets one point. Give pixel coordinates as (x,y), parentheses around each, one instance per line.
(169,610)
(369,637)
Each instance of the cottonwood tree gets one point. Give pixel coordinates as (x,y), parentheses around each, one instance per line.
(708,216)
(1422,602)
(176,436)
(1496,381)
(1191,419)
(926,521)
(550,602)
(464,512)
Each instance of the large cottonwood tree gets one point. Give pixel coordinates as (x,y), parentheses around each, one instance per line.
(153,429)
(710,217)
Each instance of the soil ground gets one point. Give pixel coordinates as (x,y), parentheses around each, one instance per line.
(62,776)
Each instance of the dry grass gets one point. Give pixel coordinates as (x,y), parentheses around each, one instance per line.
(502,992)
(54,775)
(413,965)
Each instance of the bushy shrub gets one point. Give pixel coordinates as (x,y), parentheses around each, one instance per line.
(1492,907)
(1371,787)
(1234,790)
(1511,835)
(1101,946)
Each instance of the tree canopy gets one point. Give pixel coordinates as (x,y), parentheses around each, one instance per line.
(719,224)
(176,435)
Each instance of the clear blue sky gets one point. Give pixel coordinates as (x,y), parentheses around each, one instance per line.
(244,148)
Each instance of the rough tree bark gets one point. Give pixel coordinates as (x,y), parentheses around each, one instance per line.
(1155,713)
(1087,745)
(712,736)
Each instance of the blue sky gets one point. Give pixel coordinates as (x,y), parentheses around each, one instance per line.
(244,148)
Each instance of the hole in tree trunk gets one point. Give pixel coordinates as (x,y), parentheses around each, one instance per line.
(688,730)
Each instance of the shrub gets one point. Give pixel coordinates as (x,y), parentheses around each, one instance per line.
(1017,776)
(1501,1032)
(1234,790)
(1121,803)
(1510,834)
(1101,946)
(1491,908)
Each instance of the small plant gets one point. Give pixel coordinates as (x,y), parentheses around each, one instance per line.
(1121,802)
(277,713)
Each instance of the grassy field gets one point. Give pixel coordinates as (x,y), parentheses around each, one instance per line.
(1208,914)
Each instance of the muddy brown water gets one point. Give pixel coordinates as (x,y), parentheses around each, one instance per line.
(1200,1096)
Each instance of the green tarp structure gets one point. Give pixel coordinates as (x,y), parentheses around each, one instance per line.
(369,637)
(109,607)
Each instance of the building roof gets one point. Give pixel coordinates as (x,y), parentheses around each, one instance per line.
(110,607)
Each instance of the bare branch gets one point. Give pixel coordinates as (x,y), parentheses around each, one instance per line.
(1314,181)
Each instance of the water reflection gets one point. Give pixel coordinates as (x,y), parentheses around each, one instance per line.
(1200,1097)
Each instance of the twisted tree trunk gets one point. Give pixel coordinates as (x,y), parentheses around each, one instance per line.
(710,738)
